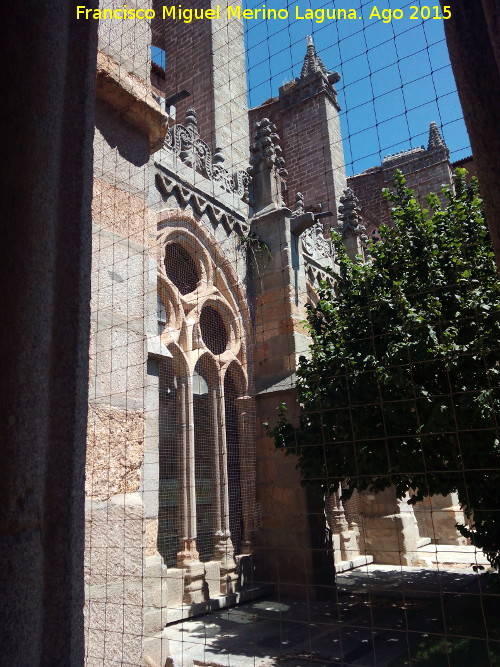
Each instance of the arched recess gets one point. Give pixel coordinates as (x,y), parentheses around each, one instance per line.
(173,375)
(206,442)
(234,389)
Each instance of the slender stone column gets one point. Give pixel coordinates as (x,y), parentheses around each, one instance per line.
(224,550)
(183,491)
(338,525)
(219,535)
(221,465)
(189,558)
(354,519)
(221,417)
(188,552)
(246,445)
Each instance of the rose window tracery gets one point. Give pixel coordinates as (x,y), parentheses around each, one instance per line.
(213,330)
(181,268)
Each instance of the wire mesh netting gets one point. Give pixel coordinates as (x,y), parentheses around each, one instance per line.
(231,140)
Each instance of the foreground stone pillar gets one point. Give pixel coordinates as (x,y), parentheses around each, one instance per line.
(474,43)
(390,528)
(355,520)
(440,515)
(44,300)
(292,549)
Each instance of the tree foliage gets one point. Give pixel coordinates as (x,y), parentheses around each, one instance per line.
(401,385)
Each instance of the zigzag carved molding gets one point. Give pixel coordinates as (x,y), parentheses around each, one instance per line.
(187,198)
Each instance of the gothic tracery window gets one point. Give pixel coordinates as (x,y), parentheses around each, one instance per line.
(200,421)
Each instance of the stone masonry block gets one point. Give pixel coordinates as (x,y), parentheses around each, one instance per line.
(212,578)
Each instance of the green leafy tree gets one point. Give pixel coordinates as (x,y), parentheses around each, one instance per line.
(401,385)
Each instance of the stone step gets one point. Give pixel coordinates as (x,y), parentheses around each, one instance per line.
(423,542)
(453,554)
(247,594)
(352,563)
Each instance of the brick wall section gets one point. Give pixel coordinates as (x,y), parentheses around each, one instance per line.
(368,188)
(466,163)
(305,143)
(425,171)
(189,59)
(206,58)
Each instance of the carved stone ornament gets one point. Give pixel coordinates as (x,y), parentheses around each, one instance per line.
(266,152)
(184,141)
(350,215)
(315,244)
(184,198)
(350,220)
(299,205)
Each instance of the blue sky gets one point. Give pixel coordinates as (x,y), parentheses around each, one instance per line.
(396,76)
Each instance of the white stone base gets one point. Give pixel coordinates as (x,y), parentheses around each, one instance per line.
(176,614)
(423,542)
(452,555)
(351,564)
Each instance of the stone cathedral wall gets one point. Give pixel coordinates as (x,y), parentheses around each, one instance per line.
(129,126)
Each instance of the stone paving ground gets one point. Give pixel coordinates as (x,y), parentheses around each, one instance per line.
(380,615)
(452,555)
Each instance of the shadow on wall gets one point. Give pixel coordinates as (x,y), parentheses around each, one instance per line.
(129,142)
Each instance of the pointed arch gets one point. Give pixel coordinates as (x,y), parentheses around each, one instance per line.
(171,220)
(205,388)
(172,376)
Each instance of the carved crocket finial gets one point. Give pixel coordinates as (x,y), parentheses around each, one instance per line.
(435,137)
(266,152)
(350,222)
(313,64)
(299,205)
(184,141)
(267,166)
